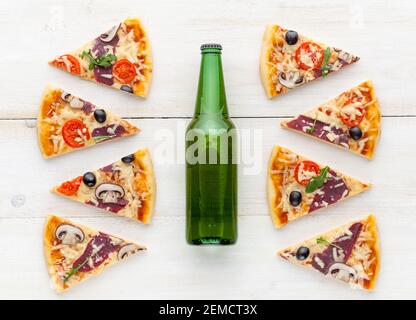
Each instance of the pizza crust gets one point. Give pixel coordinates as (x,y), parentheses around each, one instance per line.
(271,192)
(45,145)
(372,228)
(266,69)
(143,159)
(141,88)
(51,223)
(374,117)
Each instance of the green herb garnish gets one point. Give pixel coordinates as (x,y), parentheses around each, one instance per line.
(101,138)
(75,270)
(312,129)
(318,181)
(105,60)
(322,240)
(325,65)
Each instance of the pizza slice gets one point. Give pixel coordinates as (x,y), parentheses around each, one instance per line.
(289,60)
(349,253)
(351,121)
(120,58)
(67,123)
(297,186)
(126,187)
(75,253)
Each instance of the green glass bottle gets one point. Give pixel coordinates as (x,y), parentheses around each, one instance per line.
(211,164)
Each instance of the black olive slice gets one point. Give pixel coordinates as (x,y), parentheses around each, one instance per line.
(295,198)
(291,37)
(126,88)
(302,253)
(100,115)
(89,179)
(128,159)
(355,133)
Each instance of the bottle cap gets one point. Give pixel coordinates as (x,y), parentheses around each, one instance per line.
(211,46)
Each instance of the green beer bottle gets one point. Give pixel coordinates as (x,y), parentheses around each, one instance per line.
(211,164)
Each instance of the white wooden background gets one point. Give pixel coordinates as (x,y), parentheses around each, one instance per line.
(380,32)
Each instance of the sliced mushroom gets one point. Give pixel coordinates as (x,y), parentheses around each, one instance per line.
(343,272)
(69,234)
(109,192)
(73,101)
(128,250)
(109,35)
(76,103)
(66,96)
(345,56)
(291,79)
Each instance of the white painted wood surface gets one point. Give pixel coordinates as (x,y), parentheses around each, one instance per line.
(378,31)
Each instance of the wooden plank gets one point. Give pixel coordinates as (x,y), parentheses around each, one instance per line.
(171,269)
(392,183)
(377,31)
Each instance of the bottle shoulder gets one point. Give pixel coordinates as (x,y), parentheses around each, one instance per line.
(206,122)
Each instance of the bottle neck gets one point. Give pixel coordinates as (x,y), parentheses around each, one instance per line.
(211,99)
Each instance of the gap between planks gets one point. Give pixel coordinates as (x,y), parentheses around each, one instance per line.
(238,117)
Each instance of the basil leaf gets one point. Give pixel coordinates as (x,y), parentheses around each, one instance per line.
(103,61)
(100,137)
(106,60)
(325,66)
(318,181)
(322,240)
(312,129)
(74,270)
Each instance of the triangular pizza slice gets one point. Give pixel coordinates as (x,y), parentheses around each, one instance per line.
(67,123)
(75,252)
(297,186)
(120,58)
(126,187)
(351,121)
(349,253)
(289,60)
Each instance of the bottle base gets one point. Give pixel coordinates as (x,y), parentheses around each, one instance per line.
(211,241)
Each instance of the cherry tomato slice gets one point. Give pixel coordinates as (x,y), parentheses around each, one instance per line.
(68,63)
(71,187)
(306,166)
(74,133)
(352,119)
(312,52)
(124,71)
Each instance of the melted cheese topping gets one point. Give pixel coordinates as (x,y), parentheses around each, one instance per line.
(306,56)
